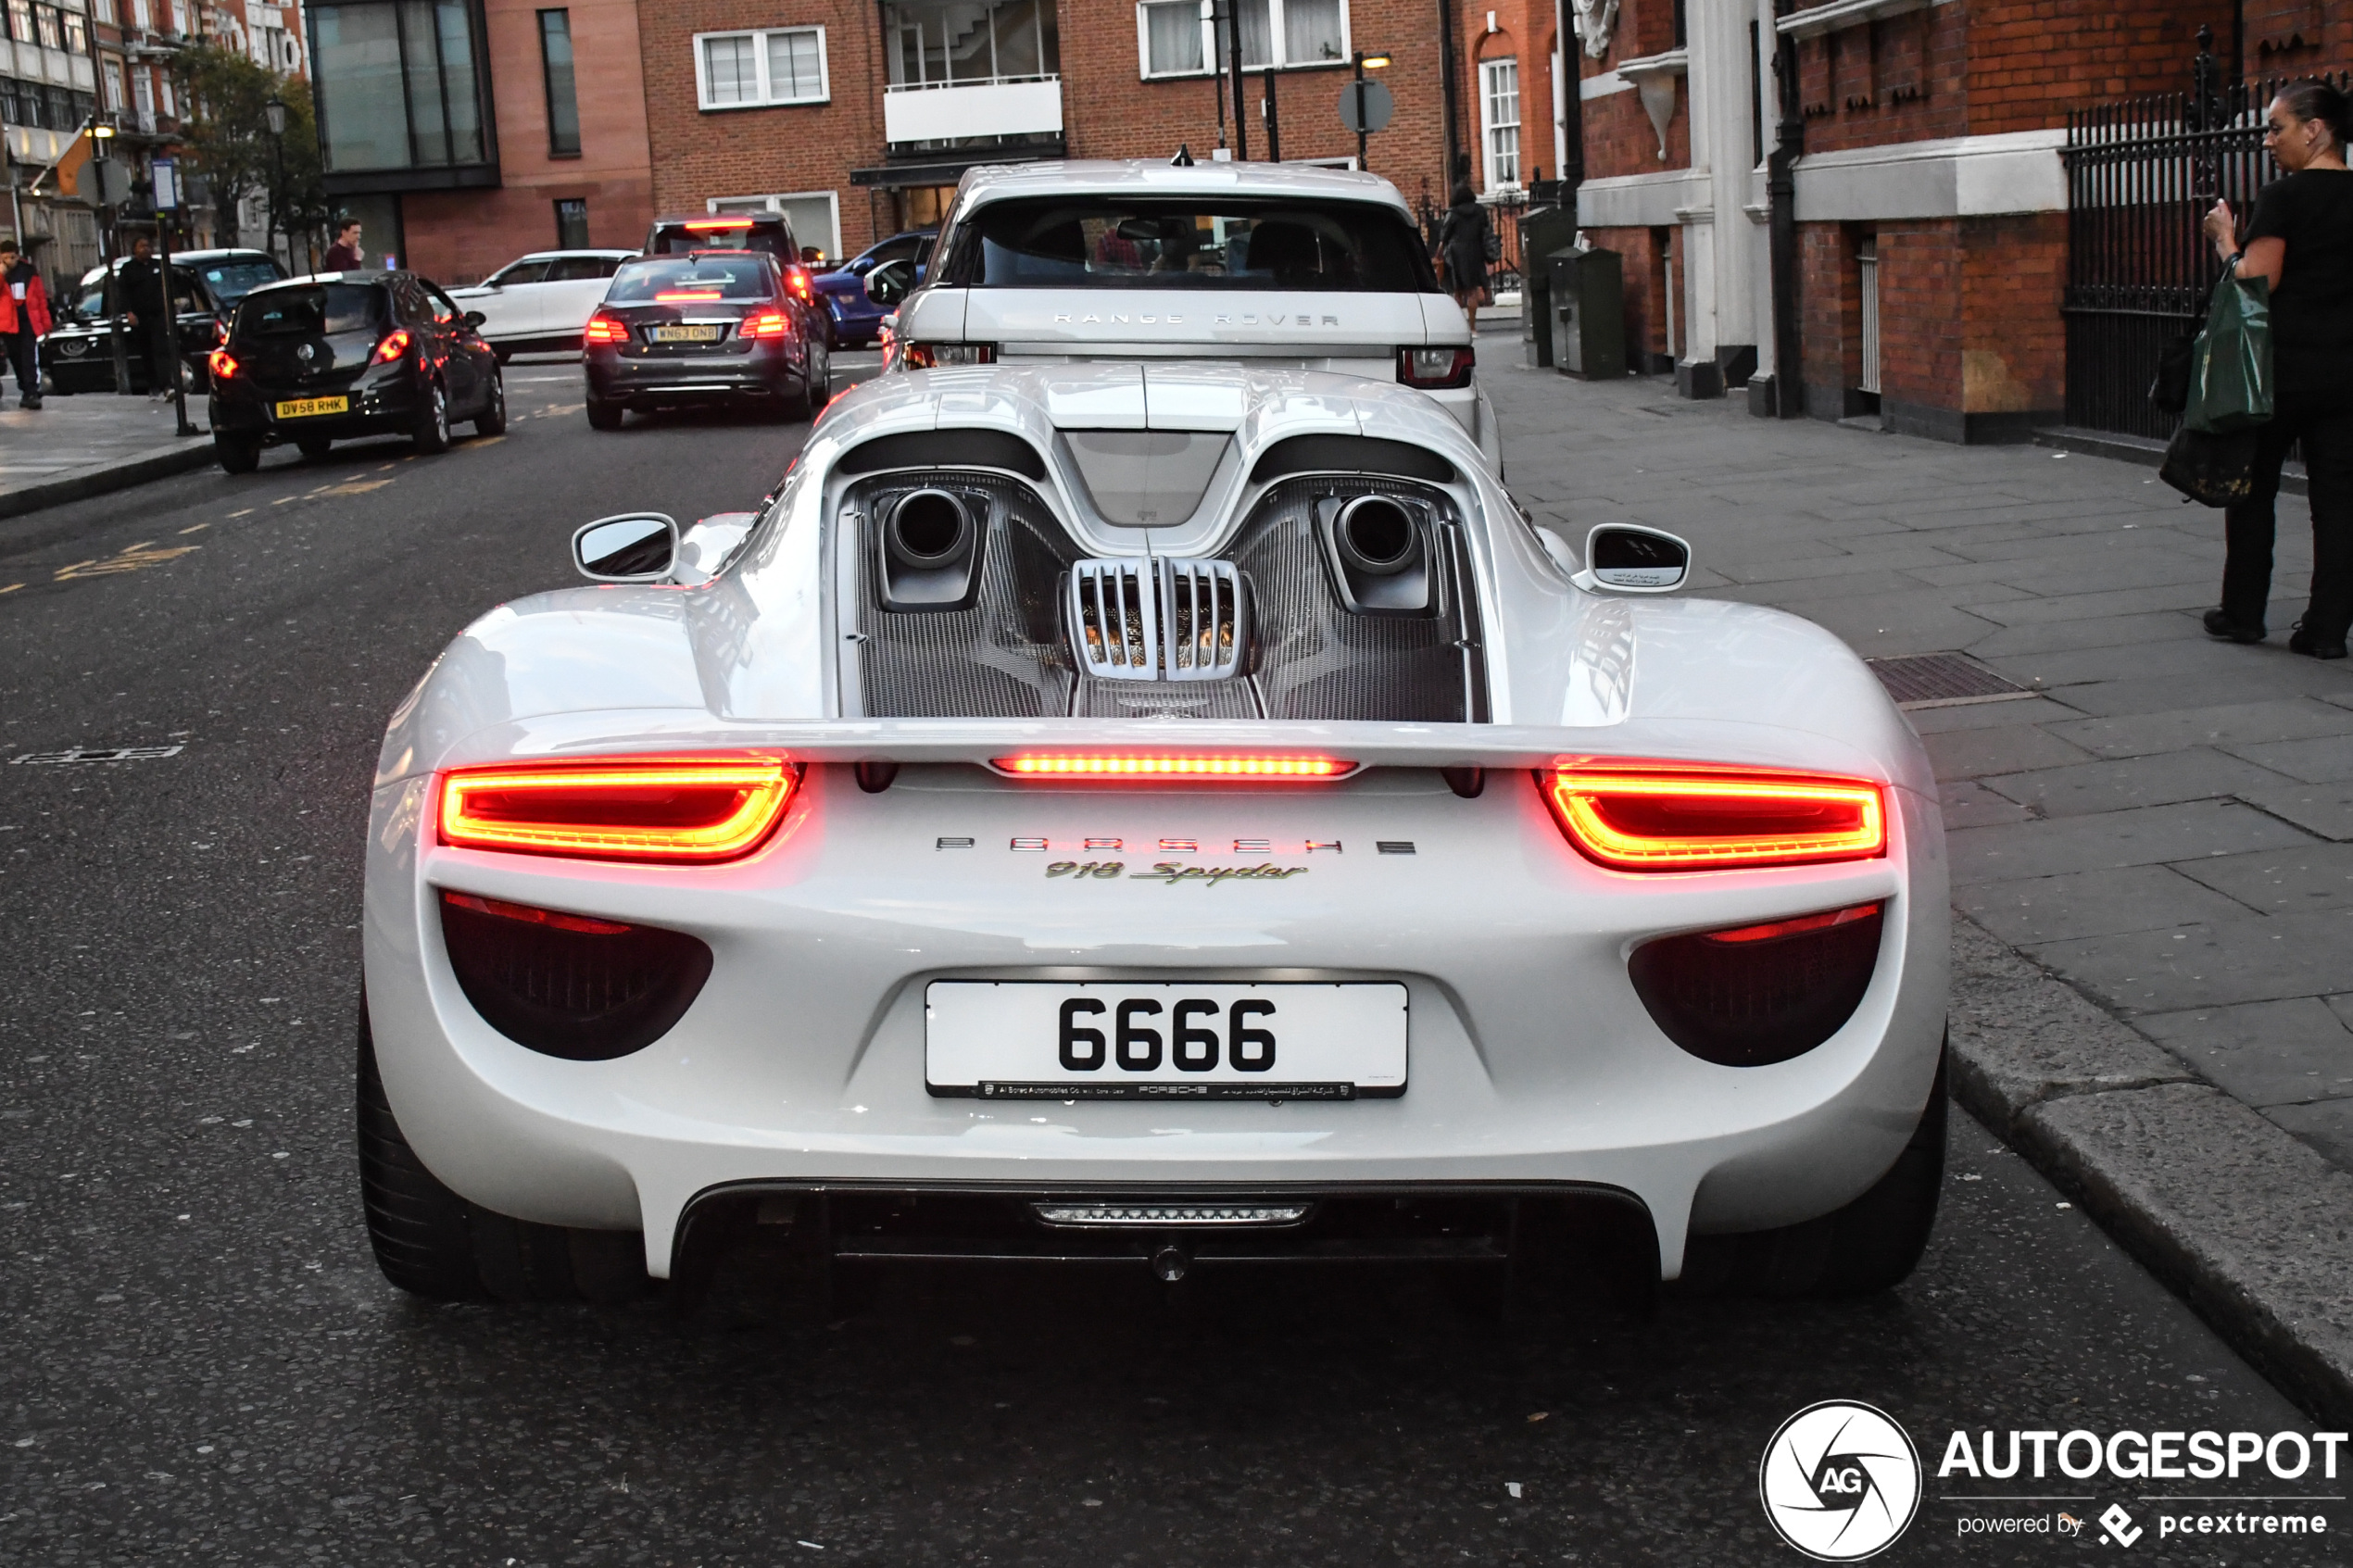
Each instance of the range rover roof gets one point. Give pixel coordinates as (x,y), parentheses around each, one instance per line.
(1157,177)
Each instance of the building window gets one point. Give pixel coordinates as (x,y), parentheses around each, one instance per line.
(143,99)
(103,10)
(571,221)
(563,104)
(113,77)
(20,20)
(49,26)
(1174,38)
(400,85)
(742,70)
(935,43)
(813,215)
(1499,121)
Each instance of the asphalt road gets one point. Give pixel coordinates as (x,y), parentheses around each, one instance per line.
(201,1364)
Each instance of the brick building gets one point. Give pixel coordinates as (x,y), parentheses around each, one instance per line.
(464,132)
(1930,198)
(857,119)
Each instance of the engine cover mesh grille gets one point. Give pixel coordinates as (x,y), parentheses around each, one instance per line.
(1003,658)
(1315,660)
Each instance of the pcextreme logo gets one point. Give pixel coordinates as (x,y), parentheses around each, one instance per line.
(1840,1481)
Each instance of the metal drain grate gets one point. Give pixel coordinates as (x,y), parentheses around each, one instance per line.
(1943,680)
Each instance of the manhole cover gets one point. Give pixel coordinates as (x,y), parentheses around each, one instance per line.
(1942,680)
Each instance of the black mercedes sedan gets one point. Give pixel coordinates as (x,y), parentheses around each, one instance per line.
(716,326)
(343,354)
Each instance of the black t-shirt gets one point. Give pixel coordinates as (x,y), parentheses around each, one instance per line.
(2313,306)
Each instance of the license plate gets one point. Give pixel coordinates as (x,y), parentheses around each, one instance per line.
(1122,1040)
(687,335)
(302,408)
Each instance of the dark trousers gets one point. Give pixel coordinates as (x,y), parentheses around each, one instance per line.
(25,362)
(2324,424)
(159,366)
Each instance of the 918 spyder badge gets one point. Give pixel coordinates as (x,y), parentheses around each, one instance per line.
(1170,873)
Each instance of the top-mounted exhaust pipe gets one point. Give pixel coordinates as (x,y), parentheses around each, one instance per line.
(1378,548)
(931,552)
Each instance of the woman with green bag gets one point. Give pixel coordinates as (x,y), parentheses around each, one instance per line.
(2301,243)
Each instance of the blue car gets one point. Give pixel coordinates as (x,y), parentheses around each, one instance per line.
(857,321)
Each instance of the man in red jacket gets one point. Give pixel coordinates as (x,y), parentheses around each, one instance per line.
(24,320)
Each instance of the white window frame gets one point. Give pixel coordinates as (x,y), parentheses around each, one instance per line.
(1278,36)
(767,99)
(1488,126)
(773,201)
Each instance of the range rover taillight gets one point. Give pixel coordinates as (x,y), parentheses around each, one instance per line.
(931,356)
(1436,369)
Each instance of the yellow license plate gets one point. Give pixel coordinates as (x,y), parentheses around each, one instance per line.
(302,406)
(686,334)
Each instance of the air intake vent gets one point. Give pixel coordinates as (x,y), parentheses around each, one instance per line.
(1137,619)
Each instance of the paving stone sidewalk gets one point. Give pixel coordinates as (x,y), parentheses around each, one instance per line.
(2152,857)
(88,444)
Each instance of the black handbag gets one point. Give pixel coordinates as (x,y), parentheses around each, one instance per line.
(2213,470)
(2170,390)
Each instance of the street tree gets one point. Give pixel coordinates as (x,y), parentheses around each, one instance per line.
(227,134)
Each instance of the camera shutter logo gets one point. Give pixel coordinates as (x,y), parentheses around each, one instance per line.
(1840,1481)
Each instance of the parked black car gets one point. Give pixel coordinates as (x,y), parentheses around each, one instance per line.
(713,326)
(330,357)
(206,285)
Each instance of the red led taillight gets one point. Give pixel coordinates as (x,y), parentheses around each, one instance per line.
(686,296)
(607,328)
(712,225)
(1434,369)
(1103,765)
(395,344)
(222,364)
(698,810)
(1773,931)
(797,280)
(765,323)
(1678,817)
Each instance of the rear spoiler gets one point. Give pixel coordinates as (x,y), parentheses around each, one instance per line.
(984,741)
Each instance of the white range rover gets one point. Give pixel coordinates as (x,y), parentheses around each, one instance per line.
(1272,264)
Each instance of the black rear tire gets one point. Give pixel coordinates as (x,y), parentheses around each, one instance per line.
(431,436)
(237,455)
(493,419)
(604,415)
(430,1242)
(1870,1245)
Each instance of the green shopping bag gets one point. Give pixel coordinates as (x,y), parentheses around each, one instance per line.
(2231,366)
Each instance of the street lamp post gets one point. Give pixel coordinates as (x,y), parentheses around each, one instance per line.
(275,113)
(1364,62)
(101,132)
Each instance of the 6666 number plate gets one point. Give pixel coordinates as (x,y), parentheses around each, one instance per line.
(1175,1040)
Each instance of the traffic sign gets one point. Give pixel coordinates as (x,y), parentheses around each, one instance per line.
(1364,107)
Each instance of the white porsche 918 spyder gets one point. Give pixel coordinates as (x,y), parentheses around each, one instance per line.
(947,862)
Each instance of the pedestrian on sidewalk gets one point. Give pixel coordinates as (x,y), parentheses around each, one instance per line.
(344,254)
(1462,244)
(2301,243)
(24,320)
(144,307)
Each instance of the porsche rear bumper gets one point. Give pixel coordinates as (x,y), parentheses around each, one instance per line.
(802,1066)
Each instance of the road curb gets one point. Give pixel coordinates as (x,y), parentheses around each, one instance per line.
(2239,1217)
(98,479)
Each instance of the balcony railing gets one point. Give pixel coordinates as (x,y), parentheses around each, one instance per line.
(1002,106)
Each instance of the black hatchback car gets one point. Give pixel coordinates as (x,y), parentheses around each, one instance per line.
(716,326)
(344,355)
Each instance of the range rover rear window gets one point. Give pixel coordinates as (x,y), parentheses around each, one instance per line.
(1189,242)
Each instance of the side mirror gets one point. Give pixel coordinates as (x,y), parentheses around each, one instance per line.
(1625,558)
(629,547)
(888,284)
(474,318)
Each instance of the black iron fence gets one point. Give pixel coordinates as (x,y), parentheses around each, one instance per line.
(2140,177)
